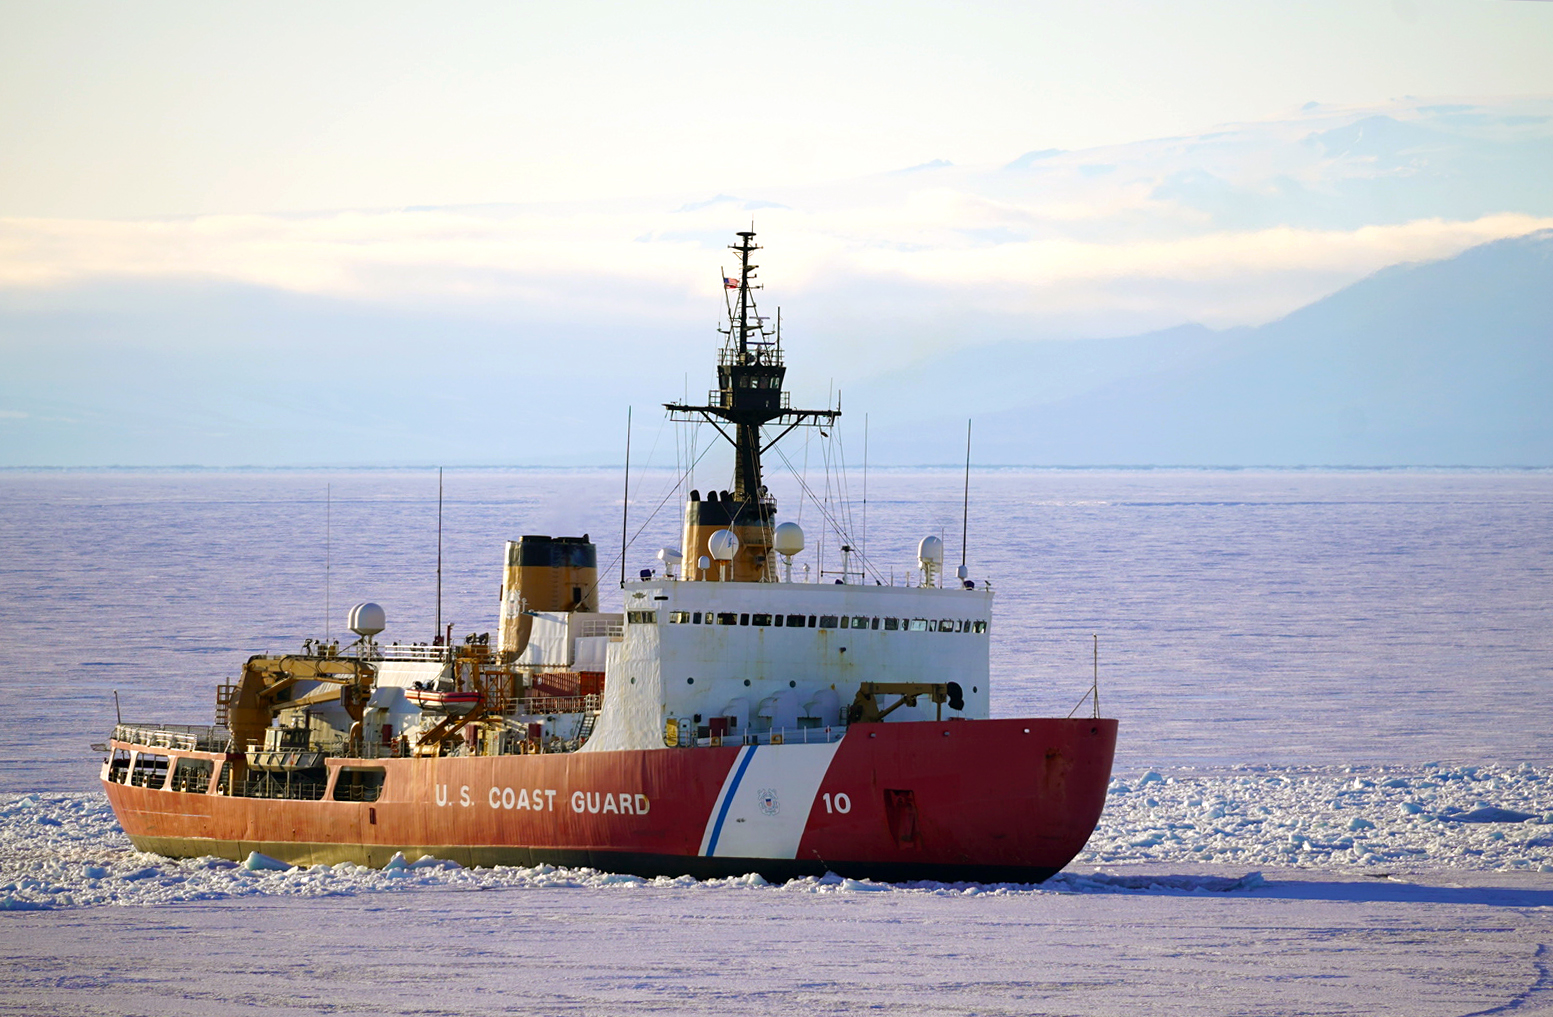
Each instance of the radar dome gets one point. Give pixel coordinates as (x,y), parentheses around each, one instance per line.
(723,545)
(669,554)
(367,619)
(931,550)
(788,539)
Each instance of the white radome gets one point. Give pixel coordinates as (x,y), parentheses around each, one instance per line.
(723,545)
(367,619)
(788,539)
(931,551)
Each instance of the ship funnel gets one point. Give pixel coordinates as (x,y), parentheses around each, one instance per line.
(543,573)
(931,554)
(367,620)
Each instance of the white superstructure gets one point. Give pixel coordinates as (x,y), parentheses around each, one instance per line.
(750,658)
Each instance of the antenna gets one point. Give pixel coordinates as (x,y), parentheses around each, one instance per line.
(328,527)
(965,510)
(625,503)
(1097,674)
(864,542)
(439,552)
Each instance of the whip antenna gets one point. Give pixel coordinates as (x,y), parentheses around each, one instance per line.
(625,502)
(439,552)
(965,510)
(328,521)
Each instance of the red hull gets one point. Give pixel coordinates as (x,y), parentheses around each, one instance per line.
(991,800)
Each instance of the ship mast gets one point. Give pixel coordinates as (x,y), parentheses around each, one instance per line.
(750,374)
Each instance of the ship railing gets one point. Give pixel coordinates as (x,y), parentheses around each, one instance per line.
(184,737)
(722,399)
(534,705)
(756,352)
(412,651)
(270,787)
(780,736)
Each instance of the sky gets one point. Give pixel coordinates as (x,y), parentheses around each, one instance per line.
(926,176)
(173,109)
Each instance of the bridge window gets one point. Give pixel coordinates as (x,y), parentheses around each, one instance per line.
(828,621)
(796,621)
(981,626)
(744,619)
(727,618)
(679,617)
(860,623)
(892,624)
(919,624)
(642,617)
(762,619)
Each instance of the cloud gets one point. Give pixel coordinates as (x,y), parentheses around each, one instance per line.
(1236,226)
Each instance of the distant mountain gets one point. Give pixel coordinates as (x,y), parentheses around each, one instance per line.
(1449,362)
(1444,363)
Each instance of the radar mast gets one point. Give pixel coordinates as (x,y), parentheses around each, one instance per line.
(750,375)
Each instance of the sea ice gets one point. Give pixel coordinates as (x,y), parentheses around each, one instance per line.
(66,850)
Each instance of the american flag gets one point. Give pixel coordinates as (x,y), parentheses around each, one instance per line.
(731,284)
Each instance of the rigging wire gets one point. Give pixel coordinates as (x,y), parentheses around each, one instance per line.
(835,523)
(619,558)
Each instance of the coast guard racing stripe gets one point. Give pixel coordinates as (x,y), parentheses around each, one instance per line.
(764,804)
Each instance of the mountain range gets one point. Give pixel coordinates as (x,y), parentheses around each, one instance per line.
(1443,363)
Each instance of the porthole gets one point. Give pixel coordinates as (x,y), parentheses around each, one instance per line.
(633,681)
(746,681)
(792,685)
(975,689)
(690,681)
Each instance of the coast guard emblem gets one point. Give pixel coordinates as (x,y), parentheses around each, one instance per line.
(768,801)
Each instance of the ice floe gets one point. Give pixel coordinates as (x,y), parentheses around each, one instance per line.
(1470,817)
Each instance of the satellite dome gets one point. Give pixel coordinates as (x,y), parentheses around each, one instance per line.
(723,545)
(788,539)
(931,550)
(367,619)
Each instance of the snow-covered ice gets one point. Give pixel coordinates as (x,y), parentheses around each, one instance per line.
(1284,650)
(66,850)
(1339,891)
